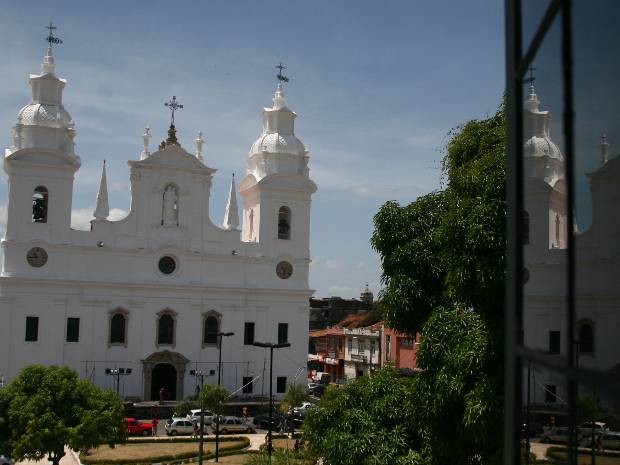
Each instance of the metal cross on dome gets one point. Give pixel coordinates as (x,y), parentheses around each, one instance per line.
(281,77)
(173,105)
(532,78)
(50,38)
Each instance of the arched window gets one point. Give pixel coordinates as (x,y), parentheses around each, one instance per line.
(284,223)
(210,330)
(586,338)
(117,328)
(525,225)
(165,329)
(39,205)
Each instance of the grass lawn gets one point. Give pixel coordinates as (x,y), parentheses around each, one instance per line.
(144,452)
(283,444)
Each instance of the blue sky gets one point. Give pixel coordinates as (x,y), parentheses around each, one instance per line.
(377,85)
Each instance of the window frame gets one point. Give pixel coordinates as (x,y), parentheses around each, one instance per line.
(286,212)
(167,312)
(125,314)
(284,325)
(248,341)
(218,319)
(35,319)
(520,56)
(67,330)
(280,379)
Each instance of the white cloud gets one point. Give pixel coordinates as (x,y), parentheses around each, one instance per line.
(81,217)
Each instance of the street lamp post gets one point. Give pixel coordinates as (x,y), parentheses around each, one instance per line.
(117,373)
(219,378)
(199,374)
(271,346)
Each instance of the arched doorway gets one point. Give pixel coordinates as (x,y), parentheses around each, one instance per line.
(164,376)
(164,369)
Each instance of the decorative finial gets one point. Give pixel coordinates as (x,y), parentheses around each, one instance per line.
(48,60)
(199,143)
(50,38)
(174,105)
(604,149)
(146,139)
(280,76)
(531,78)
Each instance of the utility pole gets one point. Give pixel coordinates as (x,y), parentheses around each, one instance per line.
(219,379)
(271,346)
(199,374)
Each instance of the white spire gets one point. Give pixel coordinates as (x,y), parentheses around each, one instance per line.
(102,210)
(604,149)
(532,101)
(231,217)
(199,142)
(278,100)
(146,138)
(48,65)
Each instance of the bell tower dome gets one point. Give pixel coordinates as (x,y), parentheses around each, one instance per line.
(41,163)
(277,187)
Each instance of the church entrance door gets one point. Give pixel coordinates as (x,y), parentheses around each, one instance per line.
(164,377)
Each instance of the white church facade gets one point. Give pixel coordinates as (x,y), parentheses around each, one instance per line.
(149,292)
(597,257)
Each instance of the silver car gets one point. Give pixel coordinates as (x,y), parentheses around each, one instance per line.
(194,416)
(176,426)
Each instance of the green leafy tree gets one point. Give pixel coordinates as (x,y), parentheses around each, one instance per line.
(212,397)
(295,395)
(443,270)
(46,408)
(368,421)
(443,274)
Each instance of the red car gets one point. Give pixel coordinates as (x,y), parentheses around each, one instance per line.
(134,426)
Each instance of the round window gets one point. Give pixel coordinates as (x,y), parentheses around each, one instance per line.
(167,265)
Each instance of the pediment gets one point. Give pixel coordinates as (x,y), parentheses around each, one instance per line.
(167,356)
(174,156)
(42,157)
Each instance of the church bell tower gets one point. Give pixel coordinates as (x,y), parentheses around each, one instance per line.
(41,163)
(277,188)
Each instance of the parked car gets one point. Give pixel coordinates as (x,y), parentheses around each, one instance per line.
(4,460)
(194,415)
(610,440)
(262,421)
(234,425)
(585,429)
(135,427)
(311,387)
(176,426)
(303,408)
(318,390)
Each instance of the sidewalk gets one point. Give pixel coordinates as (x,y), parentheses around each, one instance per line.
(68,459)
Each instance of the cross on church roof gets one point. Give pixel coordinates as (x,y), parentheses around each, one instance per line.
(50,38)
(281,77)
(173,105)
(531,78)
